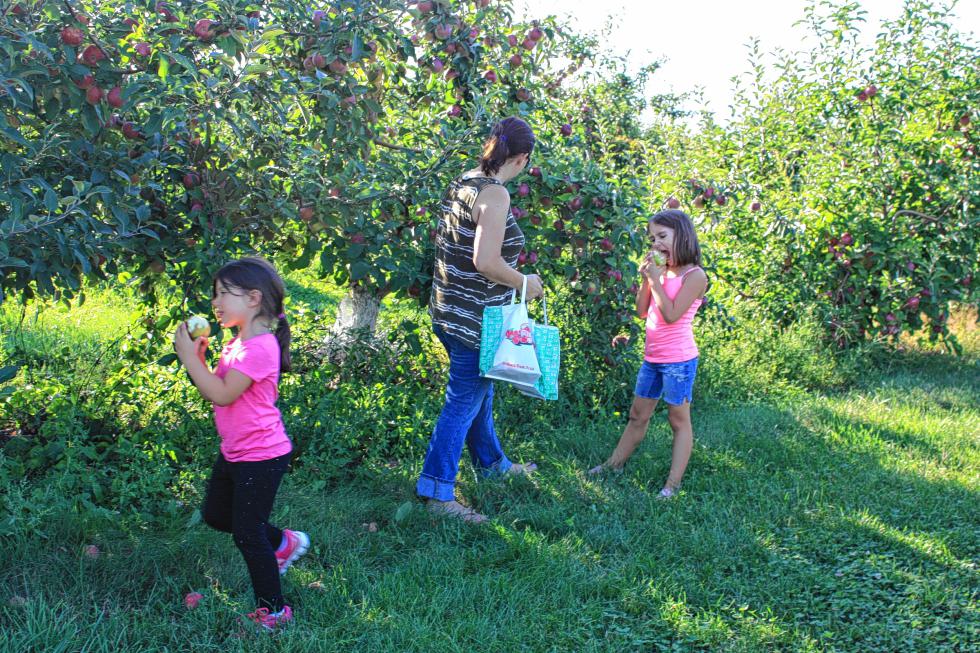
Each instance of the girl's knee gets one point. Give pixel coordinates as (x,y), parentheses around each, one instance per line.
(679,417)
(640,415)
(216,520)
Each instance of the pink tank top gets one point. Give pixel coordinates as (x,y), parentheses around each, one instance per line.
(671,343)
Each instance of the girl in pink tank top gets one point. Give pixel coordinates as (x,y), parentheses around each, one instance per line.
(672,291)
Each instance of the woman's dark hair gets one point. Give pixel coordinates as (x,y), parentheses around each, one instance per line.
(258,274)
(509,137)
(686,248)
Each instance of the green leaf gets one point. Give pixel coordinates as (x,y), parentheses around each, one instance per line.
(8,372)
(164,69)
(403,511)
(51,201)
(359,270)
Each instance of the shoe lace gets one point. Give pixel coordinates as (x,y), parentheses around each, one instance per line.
(260,616)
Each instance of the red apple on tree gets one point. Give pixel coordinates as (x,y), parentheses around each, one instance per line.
(85,82)
(130,131)
(93,95)
(673,203)
(424,7)
(490,76)
(523,190)
(535,34)
(142,49)
(516,60)
(755,206)
(606,245)
(92,55)
(338,67)
(566,129)
(528,44)
(202,29)
(512,40)
(191,179)
(72,36)
(306,213)
(535,172)
(114,98)
(454,111)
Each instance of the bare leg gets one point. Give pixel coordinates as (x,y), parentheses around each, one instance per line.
(633,434)
(680,421)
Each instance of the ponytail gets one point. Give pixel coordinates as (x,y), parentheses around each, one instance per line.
(509,137)
(284,336)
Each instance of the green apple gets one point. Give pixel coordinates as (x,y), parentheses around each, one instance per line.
(658,258)
(198,326)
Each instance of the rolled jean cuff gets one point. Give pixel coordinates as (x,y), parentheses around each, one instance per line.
(431,487)
(498,468)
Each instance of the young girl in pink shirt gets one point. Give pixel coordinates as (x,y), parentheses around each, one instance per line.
(247,295)
(668,299)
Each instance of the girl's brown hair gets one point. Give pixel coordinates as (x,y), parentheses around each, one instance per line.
(509,137)
(258,274)
(686,248)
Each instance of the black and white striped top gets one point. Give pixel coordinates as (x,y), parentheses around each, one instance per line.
(459,292)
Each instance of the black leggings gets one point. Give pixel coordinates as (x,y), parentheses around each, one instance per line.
(239,501)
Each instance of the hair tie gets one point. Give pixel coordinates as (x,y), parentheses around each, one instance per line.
(502,138)
(281,316)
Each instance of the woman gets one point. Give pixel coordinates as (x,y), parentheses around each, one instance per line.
(477,246)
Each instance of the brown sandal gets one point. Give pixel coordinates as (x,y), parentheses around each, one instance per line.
(457,510)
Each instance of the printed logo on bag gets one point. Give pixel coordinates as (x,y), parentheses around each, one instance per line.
(520,336)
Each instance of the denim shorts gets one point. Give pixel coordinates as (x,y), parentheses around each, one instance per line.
(672,382)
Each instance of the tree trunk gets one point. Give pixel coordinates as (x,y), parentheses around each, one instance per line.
(357,320)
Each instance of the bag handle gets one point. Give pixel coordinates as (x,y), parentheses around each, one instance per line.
(513,292)
(544,298)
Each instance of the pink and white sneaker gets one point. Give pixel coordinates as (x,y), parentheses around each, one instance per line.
(294,545)
(269,621)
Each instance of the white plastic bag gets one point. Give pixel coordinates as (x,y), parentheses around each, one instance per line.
(514,360)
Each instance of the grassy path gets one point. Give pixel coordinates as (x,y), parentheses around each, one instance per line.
(832,523)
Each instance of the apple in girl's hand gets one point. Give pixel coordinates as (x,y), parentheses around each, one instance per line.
(198,326)
(658,258)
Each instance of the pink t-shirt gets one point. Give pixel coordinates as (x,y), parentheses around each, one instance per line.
(251,427)
(674,342)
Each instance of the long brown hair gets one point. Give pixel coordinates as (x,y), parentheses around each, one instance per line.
(509,137)
(686,248)
(254,273)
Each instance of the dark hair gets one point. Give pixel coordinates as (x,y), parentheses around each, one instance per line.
(686,248)
(258,274)
(509,137)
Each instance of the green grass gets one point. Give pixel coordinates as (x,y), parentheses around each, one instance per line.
(843,521)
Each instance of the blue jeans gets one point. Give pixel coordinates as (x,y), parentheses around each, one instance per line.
(467,416)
